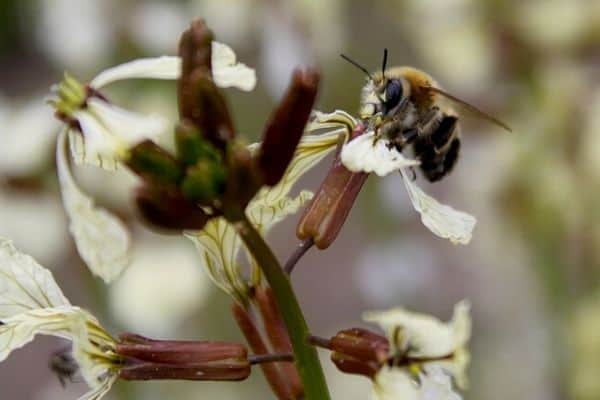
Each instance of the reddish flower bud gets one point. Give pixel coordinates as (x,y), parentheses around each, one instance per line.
(146,359)
(325,215)
(169,209)
(359,351)
(199,99)
(285,128)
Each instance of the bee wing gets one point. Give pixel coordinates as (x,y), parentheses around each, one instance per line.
(469,107)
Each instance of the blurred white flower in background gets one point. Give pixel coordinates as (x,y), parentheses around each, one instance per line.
(26,140)
(555,24)
(74,33)
(231,20)
(27,135)
(162,287)
(156,26)
(458,51)
(36,223)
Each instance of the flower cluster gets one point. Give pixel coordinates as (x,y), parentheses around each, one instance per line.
(221,193)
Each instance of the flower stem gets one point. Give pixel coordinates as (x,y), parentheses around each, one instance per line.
(254,359)
(301,249)
(305,355)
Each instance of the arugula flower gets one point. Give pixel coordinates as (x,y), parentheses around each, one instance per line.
(31,303)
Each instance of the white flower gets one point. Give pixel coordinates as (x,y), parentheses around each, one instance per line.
(101,238)
(219,243)
(395,384)
(109,131)
(107,134)
(31,303)
(426,349)
(369,153)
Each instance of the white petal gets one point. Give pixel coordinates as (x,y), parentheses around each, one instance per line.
(229,73)
(24,284)
(101,238)
(442,220)
(369,154)
(436,385)
(165,67)
(218,244)
(264,215)
(98,392)
(130,128)
(81,156)
(109,132)
(421,334)
(20,329)
(394,384)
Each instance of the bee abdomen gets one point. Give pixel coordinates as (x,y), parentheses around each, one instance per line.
(438,151)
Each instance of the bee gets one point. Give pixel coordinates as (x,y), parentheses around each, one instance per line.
(64,366)
(407,107)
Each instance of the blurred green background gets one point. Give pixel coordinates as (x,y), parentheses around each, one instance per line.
(531,271)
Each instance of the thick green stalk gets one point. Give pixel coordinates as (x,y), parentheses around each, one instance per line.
(307,360)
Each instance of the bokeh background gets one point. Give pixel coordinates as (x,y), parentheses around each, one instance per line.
(531,271)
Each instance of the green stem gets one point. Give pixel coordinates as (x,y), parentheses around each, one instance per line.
(307,360)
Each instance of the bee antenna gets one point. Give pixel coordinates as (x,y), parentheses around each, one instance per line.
(384,63)
(357,65)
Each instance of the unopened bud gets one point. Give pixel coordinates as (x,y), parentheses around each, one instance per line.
(191,146)
(204,182)
(146,359)
(324,217)
(169,209)
(359,351)
(154,165)
(200,101)
(286,126)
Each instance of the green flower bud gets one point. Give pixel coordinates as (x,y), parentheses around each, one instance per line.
(204,182)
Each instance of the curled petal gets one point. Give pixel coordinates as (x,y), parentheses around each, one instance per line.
(24,284)
(367,153)
(101,238)
(165,67)
(227,72)
(442,220)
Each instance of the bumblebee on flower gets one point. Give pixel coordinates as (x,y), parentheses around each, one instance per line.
(402,110)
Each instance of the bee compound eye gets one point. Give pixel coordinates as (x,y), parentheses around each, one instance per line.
(393,95)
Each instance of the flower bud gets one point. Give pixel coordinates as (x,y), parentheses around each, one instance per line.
(154,165)
(191,146)
(359,351)
(200,101)
(169,209)
(324,217)
(286,126)
(204,182)
(146,359)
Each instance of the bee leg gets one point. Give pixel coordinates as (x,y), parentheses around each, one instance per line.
(413,174)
